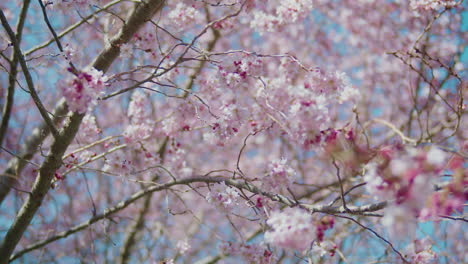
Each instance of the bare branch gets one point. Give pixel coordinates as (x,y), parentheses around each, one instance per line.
(376,234)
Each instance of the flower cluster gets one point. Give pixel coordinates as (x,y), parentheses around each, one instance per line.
(252,254)
(82,91)
(226,120)
(323,225)
(141,126)
(279,175)
(342,146)
(176,160)
(89,131)
(137,132)
(433,4)
(404,176)
(143,40)
(118,163)
(292,228)
(420,252)
(452,196)
(225,199)
(135,159)
(69,52)
(71,160)
(139,107)
(237,70)
(222,130)
(335,85)
(323,248)
(183,246)
(182,119)
(183,15)
(309,111)
(287,12)
(263,22)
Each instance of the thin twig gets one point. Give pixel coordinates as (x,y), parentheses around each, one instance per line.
(201,179)
(59,45)
(343,200)
(27,75)
(376,234)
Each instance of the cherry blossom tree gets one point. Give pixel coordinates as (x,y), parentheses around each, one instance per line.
(233,131)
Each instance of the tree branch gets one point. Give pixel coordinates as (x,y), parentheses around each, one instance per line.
(141,14)
(13,72)
(234,183)
(129,242)
(137,226)
(27,75)
(71,28)
(59,44)
(376,234)
(12,173)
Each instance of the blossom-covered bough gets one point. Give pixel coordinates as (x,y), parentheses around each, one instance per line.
(234,131)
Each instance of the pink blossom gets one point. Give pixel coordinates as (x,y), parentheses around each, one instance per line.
(420,251)
(227,87)
(436,157)
(183,16)
(141,126)
(86,155)
(323,248)
(182,119)
(138,132)
(139,109)
(69,52)
(375,184)
(291,228)
(82,91)
(183,246)
(89,131)
(263,22)
(399,220)
(226,199)
(405,176)
(279,175)
(433,4)
(252,254)
(118,163)
(144,40)
(287,12)
(327,222)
